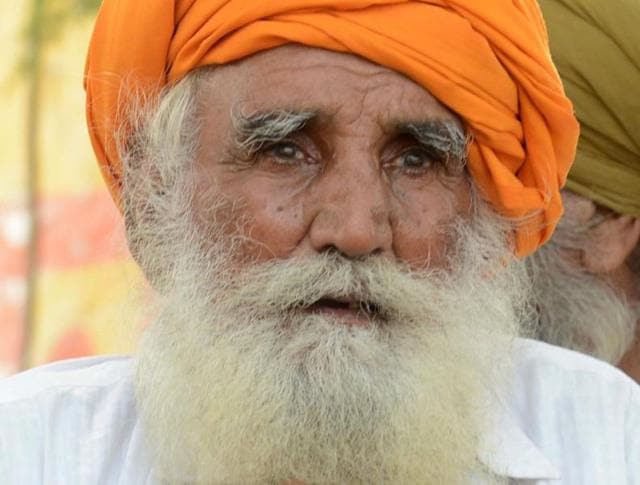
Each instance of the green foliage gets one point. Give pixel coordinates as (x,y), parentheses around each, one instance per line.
(46,23)
(58,14)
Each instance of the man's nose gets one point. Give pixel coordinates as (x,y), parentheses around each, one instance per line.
(353,216)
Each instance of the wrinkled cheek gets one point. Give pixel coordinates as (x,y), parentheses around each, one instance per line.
(253,235)
(261,215)
(219,223)
(423,251)
(271,234)
(425,218)
(427,239)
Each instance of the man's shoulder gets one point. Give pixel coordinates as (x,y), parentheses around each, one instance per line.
(90,373)
(72,421)
(582,414)
(576,409)
(535,359)
(553,374)
(65,395)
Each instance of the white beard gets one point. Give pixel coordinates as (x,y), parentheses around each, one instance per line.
(579,310)
(236,386)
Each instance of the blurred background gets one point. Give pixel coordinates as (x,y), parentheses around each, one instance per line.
(66,279)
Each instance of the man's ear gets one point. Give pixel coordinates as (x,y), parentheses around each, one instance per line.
(610,244)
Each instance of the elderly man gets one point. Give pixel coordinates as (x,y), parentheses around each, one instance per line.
(327,197)
(587,278)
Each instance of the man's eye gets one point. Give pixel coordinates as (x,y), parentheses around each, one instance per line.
(286,153)
(414,161)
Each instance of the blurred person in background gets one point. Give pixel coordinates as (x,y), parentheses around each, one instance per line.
(328,198)
(587,277)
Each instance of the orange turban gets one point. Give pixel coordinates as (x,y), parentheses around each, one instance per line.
(487,60)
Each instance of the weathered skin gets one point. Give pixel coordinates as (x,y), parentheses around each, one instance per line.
(345,188)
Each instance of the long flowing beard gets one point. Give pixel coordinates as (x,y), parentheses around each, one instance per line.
(237,384)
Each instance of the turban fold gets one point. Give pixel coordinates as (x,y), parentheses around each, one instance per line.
(597,51)
(487,60)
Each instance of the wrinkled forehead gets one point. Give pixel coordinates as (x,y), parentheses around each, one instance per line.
(295,77)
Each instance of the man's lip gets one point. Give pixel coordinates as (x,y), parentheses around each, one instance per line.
(350,310)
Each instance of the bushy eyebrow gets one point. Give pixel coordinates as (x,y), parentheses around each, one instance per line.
(444,138)
(255,130)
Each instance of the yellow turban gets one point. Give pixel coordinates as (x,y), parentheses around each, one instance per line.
(596,45)
(487,60)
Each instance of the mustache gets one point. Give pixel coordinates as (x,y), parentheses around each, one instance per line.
(375,285)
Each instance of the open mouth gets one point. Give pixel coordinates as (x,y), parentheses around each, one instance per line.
(351,310)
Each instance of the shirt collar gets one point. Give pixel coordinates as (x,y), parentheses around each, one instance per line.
(508,452)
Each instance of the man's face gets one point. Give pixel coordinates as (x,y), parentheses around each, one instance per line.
(326,190)
(329,151)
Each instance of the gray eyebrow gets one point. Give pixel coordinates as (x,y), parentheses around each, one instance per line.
(255,130)
(444,138)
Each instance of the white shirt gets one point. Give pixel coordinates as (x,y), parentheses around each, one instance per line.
(568,419)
